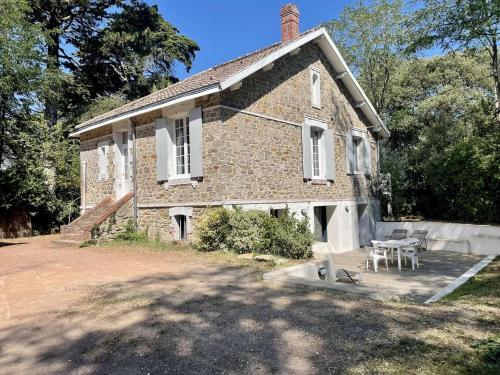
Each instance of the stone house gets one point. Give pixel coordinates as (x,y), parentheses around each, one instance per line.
(287,125)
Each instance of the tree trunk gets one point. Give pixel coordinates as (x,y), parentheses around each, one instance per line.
(496,79)
(53,65)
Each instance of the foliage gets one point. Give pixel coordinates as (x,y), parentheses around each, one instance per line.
(46,74)
(62,23)
(99,106)
(212,230)
(443,152)
(131,234)
(133,54)
(373,40)
(246,231)
(253,231)
(287,236)
(471,25)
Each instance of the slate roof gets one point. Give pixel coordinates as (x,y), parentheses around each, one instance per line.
(205,79)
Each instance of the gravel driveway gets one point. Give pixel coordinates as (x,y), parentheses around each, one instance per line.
(126,311)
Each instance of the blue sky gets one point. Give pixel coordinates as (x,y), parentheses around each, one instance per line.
(226,29)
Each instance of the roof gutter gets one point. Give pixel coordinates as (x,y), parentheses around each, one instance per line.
(193,94)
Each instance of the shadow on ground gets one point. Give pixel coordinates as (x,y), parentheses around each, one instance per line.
(221,320)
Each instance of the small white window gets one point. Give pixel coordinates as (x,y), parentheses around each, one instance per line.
(102,152)
(357,149)
(182,151)
(317,149)
(315,89)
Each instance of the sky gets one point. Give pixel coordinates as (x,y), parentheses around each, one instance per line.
(226,29)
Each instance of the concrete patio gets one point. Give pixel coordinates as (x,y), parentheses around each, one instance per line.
(437,270)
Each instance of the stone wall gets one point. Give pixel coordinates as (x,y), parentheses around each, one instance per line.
(97,189)
(253,158)
(114,224)
(246,157)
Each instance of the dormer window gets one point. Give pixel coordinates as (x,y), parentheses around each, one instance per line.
(315,89)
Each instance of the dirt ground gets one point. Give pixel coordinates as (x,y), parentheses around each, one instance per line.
(133,311)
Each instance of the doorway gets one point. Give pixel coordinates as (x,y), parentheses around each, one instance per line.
(122,168)
(364,227)
(320,224)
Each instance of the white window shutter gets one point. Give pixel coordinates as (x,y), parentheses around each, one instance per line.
(306,152)
(330,155)
(196,140)
(367,155)
(349,153)
(102,163)
(170,148)
(162,155)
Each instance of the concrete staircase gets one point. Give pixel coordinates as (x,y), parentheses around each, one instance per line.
(80,230)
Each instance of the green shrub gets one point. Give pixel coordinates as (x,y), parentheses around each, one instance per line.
(253,231)
(131,234)
(288,236)
(212,230)
(247,231)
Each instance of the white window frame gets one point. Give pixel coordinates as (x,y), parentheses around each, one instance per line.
(358,152)
(102,160)
(320,127)
(315,89)
(186,147)
(321,153)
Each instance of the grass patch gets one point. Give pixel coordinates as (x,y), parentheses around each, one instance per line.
(483,288)
(184,249)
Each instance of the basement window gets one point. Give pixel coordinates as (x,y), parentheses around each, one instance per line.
(181,230)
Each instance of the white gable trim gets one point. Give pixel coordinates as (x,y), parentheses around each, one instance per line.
(271,58)
(175,100)
(323,40)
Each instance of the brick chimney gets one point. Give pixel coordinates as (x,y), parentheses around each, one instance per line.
(289,22)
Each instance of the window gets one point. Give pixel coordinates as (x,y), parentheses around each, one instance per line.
(357,149)
(182,150)
(102,152)
(126,164)
(277,212)
(316,158)
(181,230)
(315,89)
(318,153)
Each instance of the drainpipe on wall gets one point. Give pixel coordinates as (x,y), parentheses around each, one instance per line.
(134,172)
(378,155)
(84,187)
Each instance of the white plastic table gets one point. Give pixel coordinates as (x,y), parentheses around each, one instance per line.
(398,245)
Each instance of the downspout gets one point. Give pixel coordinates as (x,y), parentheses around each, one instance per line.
(378,155)
(84,187)
(134,172)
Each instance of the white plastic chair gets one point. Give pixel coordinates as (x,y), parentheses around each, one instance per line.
(412,253)
(376,253)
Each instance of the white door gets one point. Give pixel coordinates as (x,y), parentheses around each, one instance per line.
(123,183)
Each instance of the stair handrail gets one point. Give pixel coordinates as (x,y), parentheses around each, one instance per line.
(93,208)
(70,203)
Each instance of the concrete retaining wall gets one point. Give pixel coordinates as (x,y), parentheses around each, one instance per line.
(464,238)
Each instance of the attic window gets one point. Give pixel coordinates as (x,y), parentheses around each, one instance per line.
(315,89)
